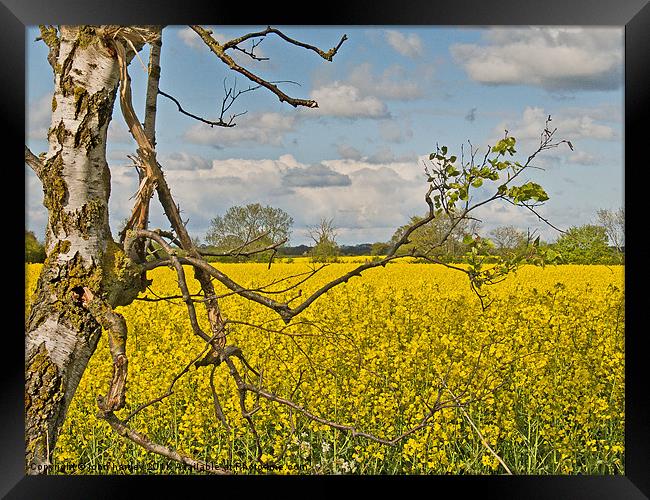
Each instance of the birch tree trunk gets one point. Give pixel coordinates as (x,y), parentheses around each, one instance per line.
(61,335)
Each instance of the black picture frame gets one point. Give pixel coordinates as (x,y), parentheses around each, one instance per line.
(634,15)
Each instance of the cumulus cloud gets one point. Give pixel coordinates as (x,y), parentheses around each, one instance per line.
(184,161)
(260,128)
(344,100)
(408,45)
(554,58)
(314,177)
(569,126)
(368,201)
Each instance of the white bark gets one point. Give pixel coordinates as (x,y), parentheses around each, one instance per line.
(60,335)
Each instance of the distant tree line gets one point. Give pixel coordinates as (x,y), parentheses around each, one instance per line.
(257,233)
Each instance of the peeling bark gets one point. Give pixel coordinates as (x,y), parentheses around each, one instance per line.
(60,334)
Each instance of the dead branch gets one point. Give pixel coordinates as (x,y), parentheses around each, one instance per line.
(123,430)
(243,253)
(220,51)
(115,325)
(153,82)
(329,55)
(154,178)
(218,411)
(219,123)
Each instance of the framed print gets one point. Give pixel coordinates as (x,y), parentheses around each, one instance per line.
(359,244)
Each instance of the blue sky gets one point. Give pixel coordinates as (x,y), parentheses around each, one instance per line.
(388,97)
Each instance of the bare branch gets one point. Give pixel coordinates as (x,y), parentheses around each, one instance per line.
(348,428)
(219,123)
(220,51)
(115,325)
(329,55)
(239,252)
(125,431)
(218,411)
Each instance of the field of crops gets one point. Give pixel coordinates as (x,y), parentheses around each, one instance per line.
(541,373)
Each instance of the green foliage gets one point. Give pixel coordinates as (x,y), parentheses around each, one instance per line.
(325,249)
(454,182)
(34,250)
(442,237)
(585,245)
(380,248)
(249,228)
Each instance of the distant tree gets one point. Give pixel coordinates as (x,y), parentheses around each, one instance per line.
(507,238)
(442,236)
(614,223)
(325,249)
(584,245)
(249,230)
(380,248)
(34,250)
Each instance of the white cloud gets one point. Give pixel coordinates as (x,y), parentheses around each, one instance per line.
(190,38)
(569,126)
(260,128)
(362,197)
(343,100)
(566,58)
(408,45)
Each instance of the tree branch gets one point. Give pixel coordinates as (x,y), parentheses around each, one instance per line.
(35,163)
(220,52)
(140,439)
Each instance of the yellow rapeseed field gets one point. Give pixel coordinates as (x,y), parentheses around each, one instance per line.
(541,373)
